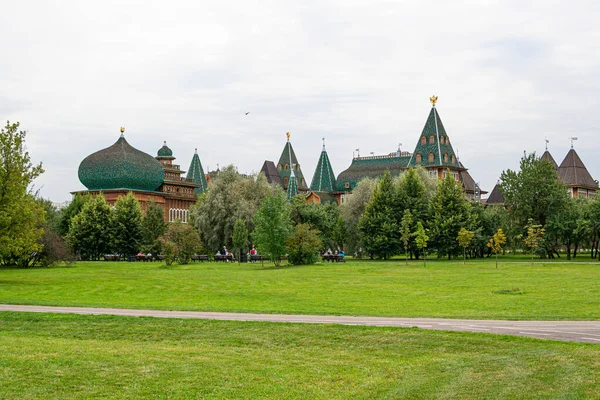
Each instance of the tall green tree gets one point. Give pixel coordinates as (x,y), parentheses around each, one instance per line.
(153,227)
(70,211)
(449,211)
(352,210)
(91,230)
(321,217)
(534,191)
(273,226)
(592,212)
(413,195)
(378,225)
(240,237)
(21,217)
(127,225)
(231,196)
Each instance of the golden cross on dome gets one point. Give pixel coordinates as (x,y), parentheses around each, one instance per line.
(122,129)
(433,100)
(288,135)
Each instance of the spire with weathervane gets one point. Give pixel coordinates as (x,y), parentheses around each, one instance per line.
(288,168)
(324,179)
(433,147)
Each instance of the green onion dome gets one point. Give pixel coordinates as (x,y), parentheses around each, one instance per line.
(121,166)
(165,152)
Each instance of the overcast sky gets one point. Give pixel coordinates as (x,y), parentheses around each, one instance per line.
(359,73)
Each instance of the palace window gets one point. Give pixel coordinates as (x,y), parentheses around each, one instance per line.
(445,158)
(347,185)
(423,140)
(286,166)
(303,182)
(431,139)
(285,180)
(447,140)
(418,159)
(430,158)
(453,159)
(279,167)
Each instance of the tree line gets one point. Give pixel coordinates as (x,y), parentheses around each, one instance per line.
(409,214)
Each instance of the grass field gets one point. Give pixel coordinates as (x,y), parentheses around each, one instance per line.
(68,356)
(516,290)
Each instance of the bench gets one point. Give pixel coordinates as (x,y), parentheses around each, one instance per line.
(200,257)
(257,257)
(223,258)
(111,257)
(333,258)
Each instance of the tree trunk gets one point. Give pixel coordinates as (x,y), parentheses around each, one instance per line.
(569,251)
(496,260)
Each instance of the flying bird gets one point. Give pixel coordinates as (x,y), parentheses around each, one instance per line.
(247,112)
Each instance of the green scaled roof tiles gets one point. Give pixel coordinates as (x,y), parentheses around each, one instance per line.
(324,179)
(121,166)
(436,143)
(196,173)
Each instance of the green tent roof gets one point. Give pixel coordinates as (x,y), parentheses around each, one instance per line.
(196,173)
(324,179)
(436,143)
(288,158)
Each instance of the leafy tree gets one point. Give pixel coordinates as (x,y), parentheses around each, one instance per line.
(592,213)
(421,240)
(181,241)
(534,191)
(340,234)
(449,211)
(127,225)
(54,247)
(413,195)
(303,245)
(321,217)
(535,236)
(20,216)
(464,240)
(405,231)
(567,227)
(240,237)
(352,210)
(90,234)
(231,196)
(496,243)
(273,226)
(378,225)
(153,227)
(70,211)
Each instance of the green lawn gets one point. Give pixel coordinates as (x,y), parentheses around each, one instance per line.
(69,356)
(443,289)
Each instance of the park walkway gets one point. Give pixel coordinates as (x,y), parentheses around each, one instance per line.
(575,331)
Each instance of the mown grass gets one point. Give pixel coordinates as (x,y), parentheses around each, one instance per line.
(449,289)
(70,356)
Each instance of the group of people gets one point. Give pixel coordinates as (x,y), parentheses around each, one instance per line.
(338,253)
(225,252)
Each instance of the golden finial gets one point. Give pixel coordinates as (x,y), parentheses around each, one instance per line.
(122,129)
(288,135)
(433,100)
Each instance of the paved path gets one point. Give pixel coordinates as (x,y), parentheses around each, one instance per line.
(576,331)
